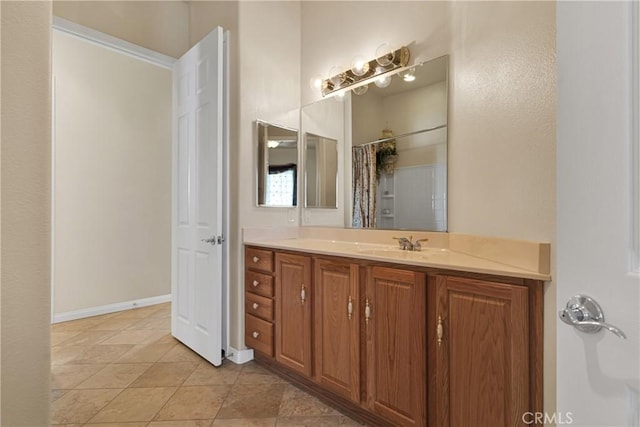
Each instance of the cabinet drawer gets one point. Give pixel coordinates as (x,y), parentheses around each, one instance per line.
(258,283)
(258,306)
(259,259)
(258,334)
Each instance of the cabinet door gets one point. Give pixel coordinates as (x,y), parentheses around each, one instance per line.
(293,312)
(337,331)
(481,353)
(395,316)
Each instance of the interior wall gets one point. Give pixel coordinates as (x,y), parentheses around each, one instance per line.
(501,107)
(112,176)
(162,26)
(25,228)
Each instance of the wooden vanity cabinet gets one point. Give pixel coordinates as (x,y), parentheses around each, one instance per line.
(294,297)
(399,345)
(337,327)
(396,352)
(258,300)
(481,355)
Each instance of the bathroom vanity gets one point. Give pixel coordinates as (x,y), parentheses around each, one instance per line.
(441,337)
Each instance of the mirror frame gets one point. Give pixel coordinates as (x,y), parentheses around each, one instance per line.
(256,150)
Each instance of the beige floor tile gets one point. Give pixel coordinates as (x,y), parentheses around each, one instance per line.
(346,421)
(133,337)
(194,403)
(58,338)
(181,353)
(148,353)
(245,422)
(297,403)
(62,355)
(165,375)
(57,394)
(76,325)
(114,324)
(69,376)
(207,374)
(78,406)
(87,338)
(254,374)
(115,376)
(102,353)
(181,423)
(142,424)
(325,421)
(167,338)
(158,323)
(252,401)
(134,404)
(163,310)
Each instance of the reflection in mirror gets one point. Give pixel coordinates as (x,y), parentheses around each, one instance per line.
(321,171)
(399,137)
(277,165)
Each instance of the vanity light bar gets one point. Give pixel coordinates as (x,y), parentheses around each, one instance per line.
(393,60)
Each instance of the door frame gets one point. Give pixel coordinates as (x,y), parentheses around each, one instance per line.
(164,61)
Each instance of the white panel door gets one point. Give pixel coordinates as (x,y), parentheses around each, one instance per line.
(598,375)
(198,197)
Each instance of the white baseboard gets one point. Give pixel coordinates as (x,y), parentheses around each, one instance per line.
(240,356)
(110,308)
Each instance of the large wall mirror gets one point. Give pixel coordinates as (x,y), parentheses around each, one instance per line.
(396,171)
(321,171)
(277,169)
(399,137)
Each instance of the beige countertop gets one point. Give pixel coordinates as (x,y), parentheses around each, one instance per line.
(436,257)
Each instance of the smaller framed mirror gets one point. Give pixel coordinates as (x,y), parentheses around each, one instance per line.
(321,171)
(277,169)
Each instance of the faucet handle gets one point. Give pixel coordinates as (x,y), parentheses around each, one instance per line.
(417,246)
(403,243)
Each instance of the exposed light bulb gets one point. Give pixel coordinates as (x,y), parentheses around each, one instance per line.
(385,54)
(360,90)
(273,144)
(316,82)
(409,75)
(383,81)
(337,74)
(359,66)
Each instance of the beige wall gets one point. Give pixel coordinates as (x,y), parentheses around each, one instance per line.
(501,111)
(112,179)
(162,26)
(25,216)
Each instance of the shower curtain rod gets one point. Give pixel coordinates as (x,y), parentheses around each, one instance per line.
(378,141)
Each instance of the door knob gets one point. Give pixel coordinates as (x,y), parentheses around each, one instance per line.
(586,315)
(211,240)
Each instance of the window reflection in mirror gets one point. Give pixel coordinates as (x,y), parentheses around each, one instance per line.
(277,169)
(402,130)
(321,171)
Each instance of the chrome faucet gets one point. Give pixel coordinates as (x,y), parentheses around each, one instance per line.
(409,245)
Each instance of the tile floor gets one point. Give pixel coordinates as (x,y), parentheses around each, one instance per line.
(125,369)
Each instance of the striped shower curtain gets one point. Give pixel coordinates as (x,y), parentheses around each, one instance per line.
(364,186)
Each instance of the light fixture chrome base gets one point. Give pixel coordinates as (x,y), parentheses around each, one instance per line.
(396,59)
